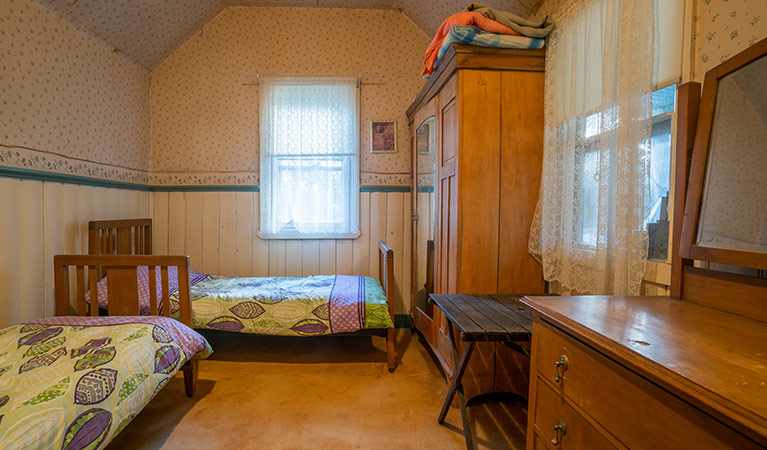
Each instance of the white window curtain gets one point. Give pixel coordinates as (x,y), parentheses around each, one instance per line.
(309,158)
(589,230)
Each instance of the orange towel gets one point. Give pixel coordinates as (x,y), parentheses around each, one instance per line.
(472,19)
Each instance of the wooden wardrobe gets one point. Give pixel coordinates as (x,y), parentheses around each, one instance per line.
(483,113)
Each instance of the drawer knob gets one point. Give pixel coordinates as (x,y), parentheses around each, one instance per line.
(560,430)
(561,364)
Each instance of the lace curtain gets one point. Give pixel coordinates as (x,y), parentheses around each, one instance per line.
(589,229)
(309,158)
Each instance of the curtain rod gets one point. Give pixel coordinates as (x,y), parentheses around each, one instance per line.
(360,79)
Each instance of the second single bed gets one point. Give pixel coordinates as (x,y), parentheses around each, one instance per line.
(281,306)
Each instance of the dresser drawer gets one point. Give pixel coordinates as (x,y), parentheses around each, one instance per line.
(639,413)
(552,411)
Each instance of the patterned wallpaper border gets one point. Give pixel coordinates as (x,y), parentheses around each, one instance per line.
(57,177)
(37,160)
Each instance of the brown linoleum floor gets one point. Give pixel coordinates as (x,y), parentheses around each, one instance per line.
(326,392)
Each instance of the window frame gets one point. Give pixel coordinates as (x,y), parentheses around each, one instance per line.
(592,146)
(349,167)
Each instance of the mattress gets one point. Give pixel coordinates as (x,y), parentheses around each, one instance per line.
(76,382)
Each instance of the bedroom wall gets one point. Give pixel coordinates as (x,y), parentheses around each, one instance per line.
(71,106)
(205,131)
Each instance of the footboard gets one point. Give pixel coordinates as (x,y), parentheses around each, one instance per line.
(122,284)
(386,277)
(123,289)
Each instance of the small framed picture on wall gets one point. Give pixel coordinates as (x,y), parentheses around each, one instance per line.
(383,136)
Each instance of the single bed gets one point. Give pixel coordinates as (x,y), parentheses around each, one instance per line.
(74,381)
(282,306)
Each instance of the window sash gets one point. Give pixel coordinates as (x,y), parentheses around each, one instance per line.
(309,159)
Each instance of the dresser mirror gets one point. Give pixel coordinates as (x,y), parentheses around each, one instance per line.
(727,195)
(425,206)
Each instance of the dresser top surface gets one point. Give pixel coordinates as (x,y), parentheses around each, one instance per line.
(713,359)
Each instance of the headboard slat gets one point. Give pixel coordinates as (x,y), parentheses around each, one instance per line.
(93,280)
(165,289)
(80,290)
(153,290)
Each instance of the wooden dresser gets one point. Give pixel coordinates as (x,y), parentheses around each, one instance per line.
(476,184)
(645,373)
(688,372)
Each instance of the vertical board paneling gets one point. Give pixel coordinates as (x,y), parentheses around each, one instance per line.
(176,227)
(160,223)
(193,233)
(293,258)
(260,254)
(86,210)
(31,256)
(345,257)
(361,245)
(377,229)
(53,235)
(227,233)
(243,245)
(276,258)
(210,220)
(394,238)
(310,261)
(10,238)
(327,261)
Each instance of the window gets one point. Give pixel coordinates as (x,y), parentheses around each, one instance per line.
(587,173)
(309,158)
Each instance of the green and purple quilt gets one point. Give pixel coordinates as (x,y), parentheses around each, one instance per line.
(284,306)
(75,382)
(287,306)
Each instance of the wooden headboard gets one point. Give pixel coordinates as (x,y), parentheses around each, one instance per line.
(386,277)
(122,284)
(120,237)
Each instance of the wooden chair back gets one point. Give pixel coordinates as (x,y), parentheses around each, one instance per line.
(122,284)
(120,237)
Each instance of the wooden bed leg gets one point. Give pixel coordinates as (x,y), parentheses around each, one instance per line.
(190,377)
(390,354)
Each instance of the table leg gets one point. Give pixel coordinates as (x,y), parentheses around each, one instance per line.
(457,386)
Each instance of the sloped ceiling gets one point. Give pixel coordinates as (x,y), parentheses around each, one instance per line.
(148,31)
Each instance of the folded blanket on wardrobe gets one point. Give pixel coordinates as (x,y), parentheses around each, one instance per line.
(525,27)
(472,19)
(473,36)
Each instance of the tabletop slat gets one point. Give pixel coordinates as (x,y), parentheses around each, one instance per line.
(487,318)
(513,302)
(517,325)
(469,329)
(470,306)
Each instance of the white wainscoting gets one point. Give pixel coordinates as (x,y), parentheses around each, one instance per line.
(41,219)
(219,231)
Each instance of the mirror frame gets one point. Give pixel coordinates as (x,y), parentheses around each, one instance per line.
(700,156)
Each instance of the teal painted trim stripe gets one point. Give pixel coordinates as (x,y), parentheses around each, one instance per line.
(384,188)
(206,188)
(426,189)
(402,321)
(38,175)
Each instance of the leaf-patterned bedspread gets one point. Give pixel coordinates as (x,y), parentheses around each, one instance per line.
(288,306)
(76,382)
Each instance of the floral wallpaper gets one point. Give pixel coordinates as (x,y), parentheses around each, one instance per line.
(204,99)
(725,27)
(68,103)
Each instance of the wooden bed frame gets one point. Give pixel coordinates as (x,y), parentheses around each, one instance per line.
(114,237)
(122,286)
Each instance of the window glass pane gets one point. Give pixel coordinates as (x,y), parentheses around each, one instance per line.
(309,158)
(657,222)
(590,198)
